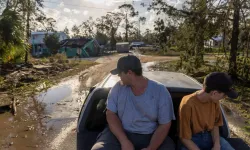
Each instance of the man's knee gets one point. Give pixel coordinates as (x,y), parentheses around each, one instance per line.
(225,145)
(106,141)
(168,143)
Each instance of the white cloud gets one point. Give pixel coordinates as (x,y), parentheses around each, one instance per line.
(95,1)
(179,4)
(68,22)
(128,1)
(52,13)
(116,10)
(67,16)
(67,10)
(111,2)
(75,11)
(134,19)
(61,4)
(85,12)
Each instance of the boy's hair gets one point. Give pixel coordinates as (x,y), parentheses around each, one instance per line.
(221,82)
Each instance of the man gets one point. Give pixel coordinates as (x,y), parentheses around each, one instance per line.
(139,111)
(200,115)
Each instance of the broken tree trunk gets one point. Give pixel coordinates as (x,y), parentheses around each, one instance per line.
(14,112)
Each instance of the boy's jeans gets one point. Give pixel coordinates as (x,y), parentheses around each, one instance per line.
(204,141)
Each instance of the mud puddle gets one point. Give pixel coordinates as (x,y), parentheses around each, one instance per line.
(43,117)
(24,131)
(63,103)
(147,66)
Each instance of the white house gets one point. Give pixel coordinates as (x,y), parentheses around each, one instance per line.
(214,42)
(38,46)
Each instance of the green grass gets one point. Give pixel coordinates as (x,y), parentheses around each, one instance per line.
(1,79)
(159,52)
(247,129)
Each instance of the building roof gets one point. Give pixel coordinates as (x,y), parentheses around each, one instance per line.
(122,43)
(218,38)
(79,42)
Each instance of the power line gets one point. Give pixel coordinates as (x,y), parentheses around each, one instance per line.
(78,5)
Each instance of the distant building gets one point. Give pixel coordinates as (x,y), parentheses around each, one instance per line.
(80,47)
(38,46)
(122,47)
(214,42)
(136,44)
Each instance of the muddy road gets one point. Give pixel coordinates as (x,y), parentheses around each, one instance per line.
(48,120)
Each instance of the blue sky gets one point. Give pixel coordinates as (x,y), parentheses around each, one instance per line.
(70,12)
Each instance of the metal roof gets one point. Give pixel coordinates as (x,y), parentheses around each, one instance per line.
(172,80)
(122,43)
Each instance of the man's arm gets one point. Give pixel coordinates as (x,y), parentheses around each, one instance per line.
(113,120)
(159,136)
(189,144)
(115,126)
(165,116)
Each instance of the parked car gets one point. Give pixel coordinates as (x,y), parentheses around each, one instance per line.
(92,118)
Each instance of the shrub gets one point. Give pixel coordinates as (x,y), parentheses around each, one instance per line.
(60,58)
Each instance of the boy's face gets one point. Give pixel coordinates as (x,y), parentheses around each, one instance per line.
(216,96)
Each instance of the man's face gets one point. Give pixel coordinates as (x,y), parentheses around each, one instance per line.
(124,78)
(216,96)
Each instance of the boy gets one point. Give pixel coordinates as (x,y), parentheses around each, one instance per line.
(200,115)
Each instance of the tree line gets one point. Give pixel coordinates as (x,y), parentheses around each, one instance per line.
(18,18)
(185,28)
(200,20)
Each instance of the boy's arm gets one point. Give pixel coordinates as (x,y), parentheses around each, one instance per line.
(189,144)
(216,138)
(215,131)
(185,127)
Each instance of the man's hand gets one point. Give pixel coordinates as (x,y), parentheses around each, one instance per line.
(127,145)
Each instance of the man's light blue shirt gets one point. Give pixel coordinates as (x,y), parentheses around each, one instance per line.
(141,114)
